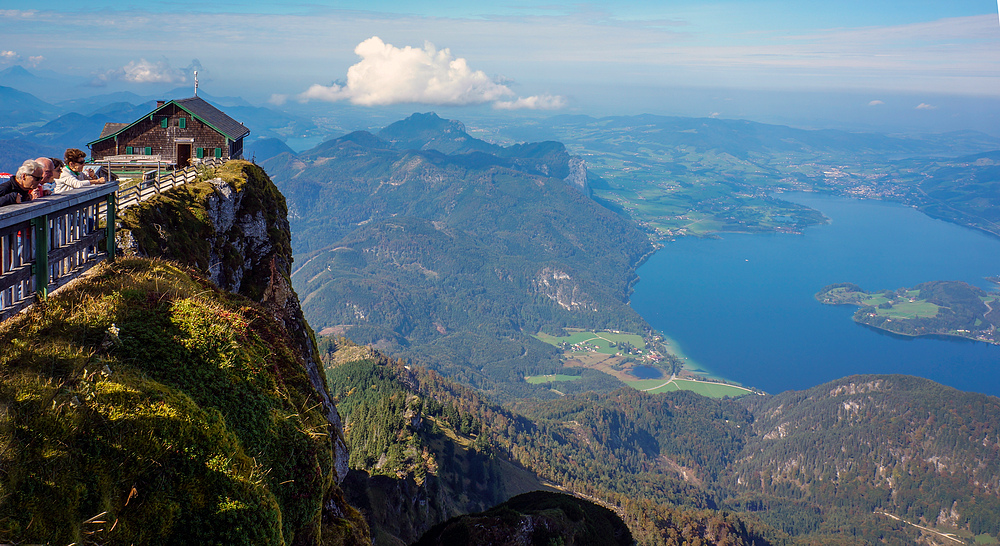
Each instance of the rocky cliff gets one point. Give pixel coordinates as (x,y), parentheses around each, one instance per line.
(144,404)
(233,228)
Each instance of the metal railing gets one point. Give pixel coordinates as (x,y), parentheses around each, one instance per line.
(51,240)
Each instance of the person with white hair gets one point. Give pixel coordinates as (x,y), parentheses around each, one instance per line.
(47,184)
(18,189)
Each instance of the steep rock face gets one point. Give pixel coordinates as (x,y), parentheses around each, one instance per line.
(230,226)
(578,175)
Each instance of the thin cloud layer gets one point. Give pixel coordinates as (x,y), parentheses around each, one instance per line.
(389,75)
(538,102)
(143,71)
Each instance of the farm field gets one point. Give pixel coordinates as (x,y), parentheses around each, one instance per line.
(704,388)
(599,341)
(594,350)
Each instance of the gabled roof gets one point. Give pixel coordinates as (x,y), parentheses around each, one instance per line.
(112,128)
(199,108)
(213,117)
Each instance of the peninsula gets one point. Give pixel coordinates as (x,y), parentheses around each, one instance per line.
(951,308)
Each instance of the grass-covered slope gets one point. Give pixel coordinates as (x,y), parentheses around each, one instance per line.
(144,406)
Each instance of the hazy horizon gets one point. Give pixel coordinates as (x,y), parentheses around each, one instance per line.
(892,67)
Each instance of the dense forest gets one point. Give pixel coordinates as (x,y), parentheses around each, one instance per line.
(817,466)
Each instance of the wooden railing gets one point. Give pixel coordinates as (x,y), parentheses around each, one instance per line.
(138,192)
(49,241)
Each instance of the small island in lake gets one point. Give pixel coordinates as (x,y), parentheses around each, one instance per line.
(951,308)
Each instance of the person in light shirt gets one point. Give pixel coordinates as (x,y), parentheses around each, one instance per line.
(73,176)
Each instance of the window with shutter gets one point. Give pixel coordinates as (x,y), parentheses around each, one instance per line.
(201,152)
(182,123)
(149,150)
(129,150)
(218,152)
(164,122)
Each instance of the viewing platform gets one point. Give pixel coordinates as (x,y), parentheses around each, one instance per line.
(49,241)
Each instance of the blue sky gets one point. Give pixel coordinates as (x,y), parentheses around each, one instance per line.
(556,55)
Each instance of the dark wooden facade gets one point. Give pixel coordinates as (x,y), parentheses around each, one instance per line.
(176,132)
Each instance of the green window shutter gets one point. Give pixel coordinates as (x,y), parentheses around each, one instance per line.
(129,150)
(201,153)
(218,152)
(182,123)
(164,122)
(149,150)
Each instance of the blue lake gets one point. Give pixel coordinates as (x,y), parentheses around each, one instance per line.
(742,307)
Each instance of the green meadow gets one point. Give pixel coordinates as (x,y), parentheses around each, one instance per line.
(711,390)
(601,340)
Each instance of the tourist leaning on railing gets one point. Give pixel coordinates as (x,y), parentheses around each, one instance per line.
(73,176)
(18,188)
(47,185)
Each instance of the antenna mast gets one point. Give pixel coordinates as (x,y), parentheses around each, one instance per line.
(196,80)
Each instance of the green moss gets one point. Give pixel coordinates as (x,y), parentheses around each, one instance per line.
(179,412)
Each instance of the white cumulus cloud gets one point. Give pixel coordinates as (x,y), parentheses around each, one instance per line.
(9,56)
(876,103)
(388,75)
(925,106)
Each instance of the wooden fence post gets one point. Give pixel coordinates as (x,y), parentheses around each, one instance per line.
(41,265)
(110,219)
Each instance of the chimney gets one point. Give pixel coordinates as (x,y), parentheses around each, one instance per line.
(160,103)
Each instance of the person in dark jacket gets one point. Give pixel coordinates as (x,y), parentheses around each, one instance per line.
(18,189)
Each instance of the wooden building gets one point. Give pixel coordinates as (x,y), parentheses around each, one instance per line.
(175,133)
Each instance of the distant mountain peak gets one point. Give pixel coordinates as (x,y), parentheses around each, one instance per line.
(421,124)
(16,71)
(429,131)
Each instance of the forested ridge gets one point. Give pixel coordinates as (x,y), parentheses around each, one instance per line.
(659,509)
(453,260)
(803,467)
